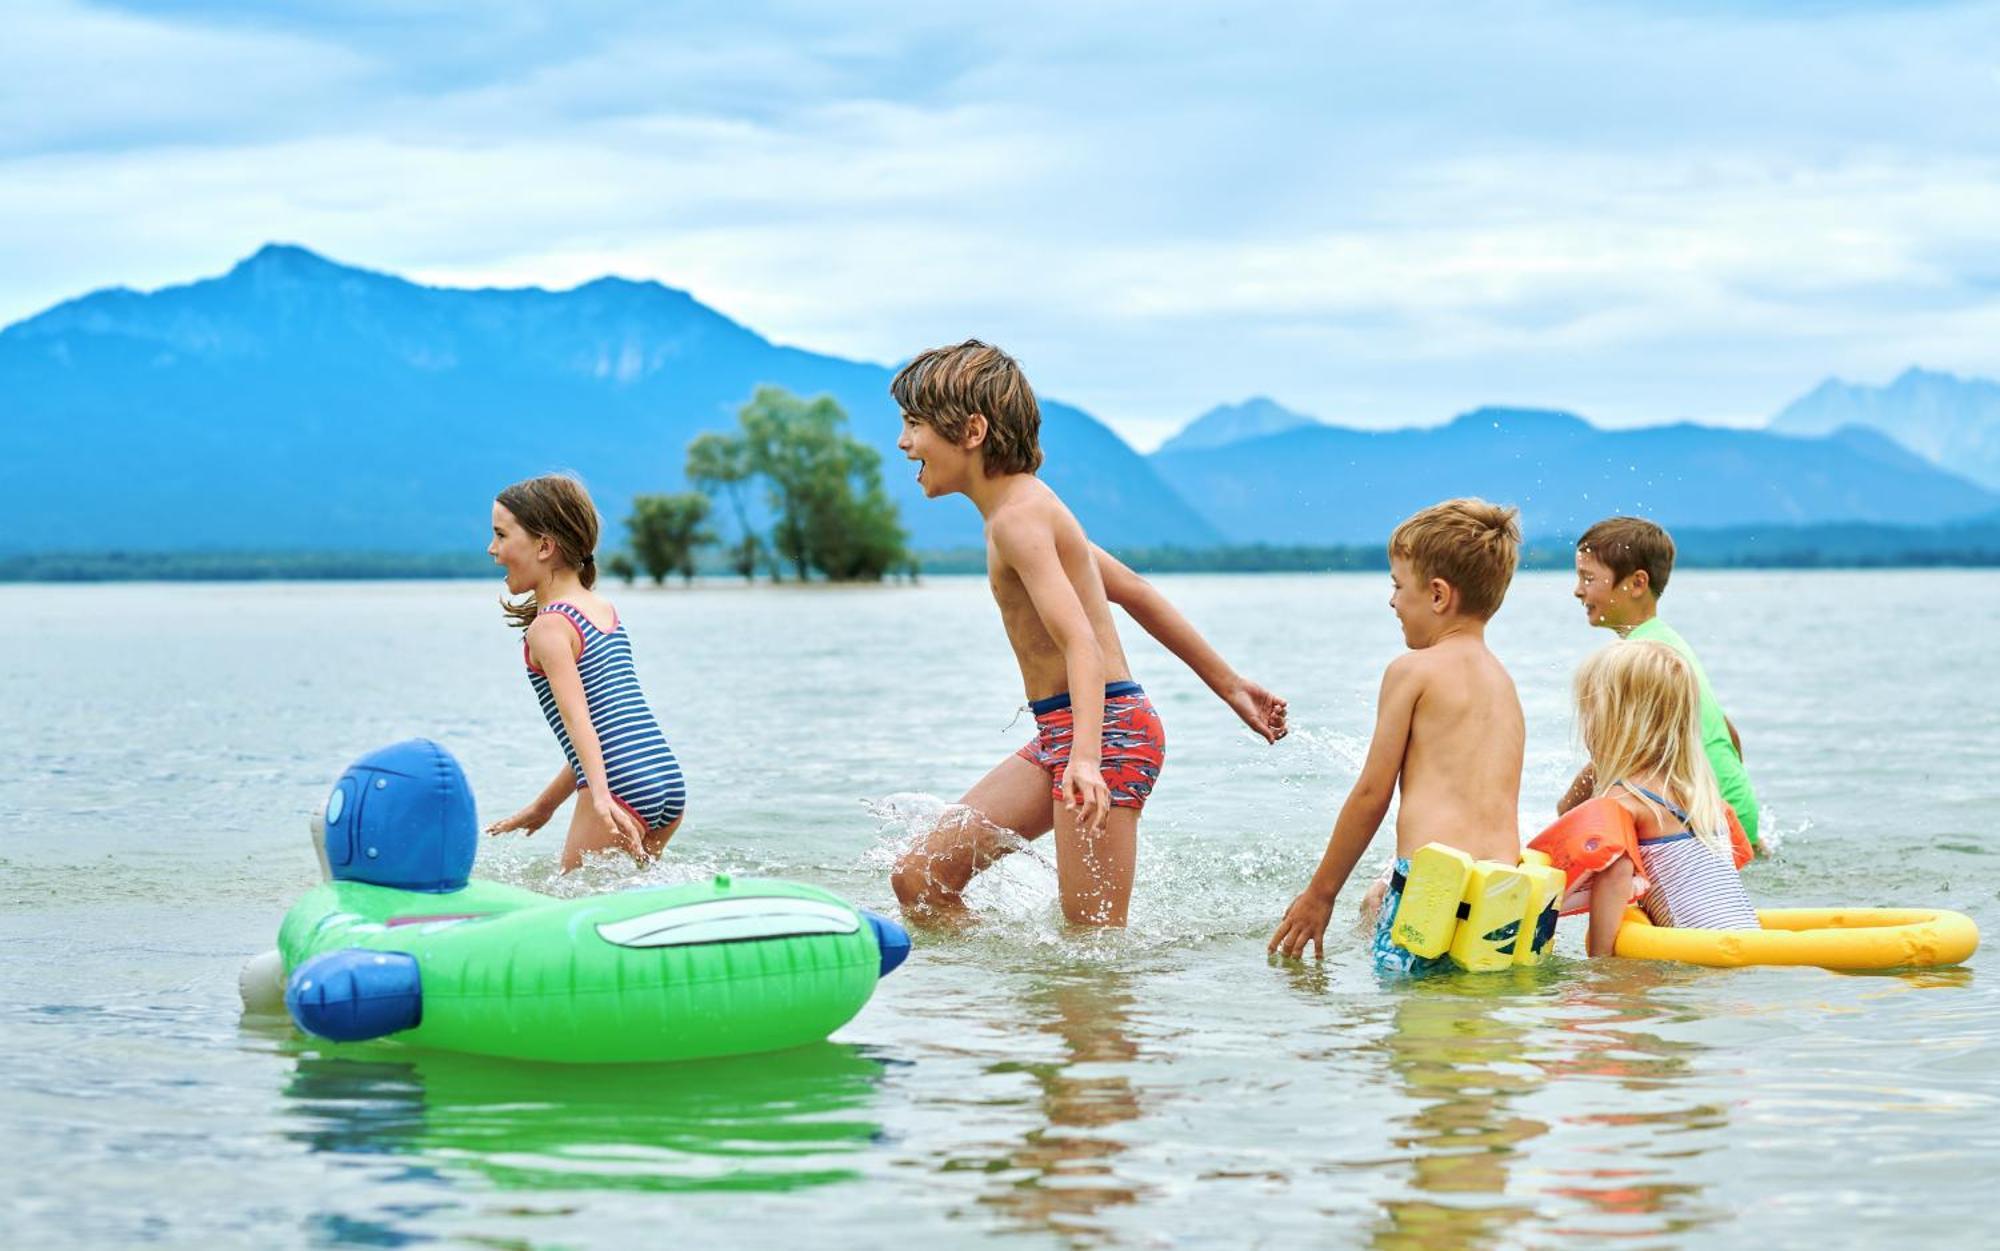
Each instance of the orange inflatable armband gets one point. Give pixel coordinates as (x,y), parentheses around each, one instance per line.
(1584,842)
(1739,846)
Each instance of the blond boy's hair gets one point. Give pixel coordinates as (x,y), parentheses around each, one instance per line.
(1626,545)
(1638,709)
(945,386)
(1471,544)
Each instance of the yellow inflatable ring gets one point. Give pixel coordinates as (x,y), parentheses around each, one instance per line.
(1831,938)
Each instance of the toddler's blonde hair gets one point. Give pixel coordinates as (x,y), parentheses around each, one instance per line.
(1638,708)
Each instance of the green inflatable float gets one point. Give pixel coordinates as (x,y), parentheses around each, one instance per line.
(399,944)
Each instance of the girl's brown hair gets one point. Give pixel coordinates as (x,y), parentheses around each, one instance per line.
(555,507)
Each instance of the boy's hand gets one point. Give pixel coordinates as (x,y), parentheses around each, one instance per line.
(1085,794)
(527,820)
(1262,711)
(1305,922)
(621,822)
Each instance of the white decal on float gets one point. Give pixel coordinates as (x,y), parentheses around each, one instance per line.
(731,921)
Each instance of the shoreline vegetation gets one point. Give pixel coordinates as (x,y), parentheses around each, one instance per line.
(1974,544)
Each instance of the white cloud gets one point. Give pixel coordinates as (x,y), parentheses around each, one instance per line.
(1378,216)
(74,77)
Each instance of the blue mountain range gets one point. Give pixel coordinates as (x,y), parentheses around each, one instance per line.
(1351,486)
(299,404)
(296,403)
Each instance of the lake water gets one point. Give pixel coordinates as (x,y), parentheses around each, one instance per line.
(1168,1086)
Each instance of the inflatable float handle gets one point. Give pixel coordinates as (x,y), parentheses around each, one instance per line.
(356,994)
(891,939)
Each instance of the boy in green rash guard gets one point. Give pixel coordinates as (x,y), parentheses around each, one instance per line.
(1622,565)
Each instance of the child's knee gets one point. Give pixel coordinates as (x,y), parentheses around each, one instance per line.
(911,878)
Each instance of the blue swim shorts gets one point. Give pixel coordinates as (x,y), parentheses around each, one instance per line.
(1394,961)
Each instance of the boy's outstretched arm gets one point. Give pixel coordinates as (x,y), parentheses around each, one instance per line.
(1262,711)
(1028,546)
(1305,921)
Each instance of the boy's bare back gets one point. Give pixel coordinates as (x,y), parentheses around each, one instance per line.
(1461,777)
(1448,727)
(1032,516)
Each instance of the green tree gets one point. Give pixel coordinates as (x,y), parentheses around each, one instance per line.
(824,486)
(619,565)
(666,530)
(718,463)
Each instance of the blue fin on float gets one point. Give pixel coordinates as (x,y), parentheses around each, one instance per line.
(354,994)
(891,938)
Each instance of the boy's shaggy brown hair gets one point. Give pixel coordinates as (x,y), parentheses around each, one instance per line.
(1471,544)
(945,386)
(1629,544)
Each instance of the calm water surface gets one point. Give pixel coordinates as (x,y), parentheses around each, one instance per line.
(1164,1087)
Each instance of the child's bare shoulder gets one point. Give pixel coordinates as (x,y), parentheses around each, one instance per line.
(1414,663)
(1408,673)
(549,634)
(1029,518)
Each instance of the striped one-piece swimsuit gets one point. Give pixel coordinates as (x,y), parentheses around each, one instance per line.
(1694,886)
(640,768)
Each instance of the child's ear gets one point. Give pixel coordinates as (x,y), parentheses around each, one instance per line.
(1641,581)
(975,431)
(1441,595)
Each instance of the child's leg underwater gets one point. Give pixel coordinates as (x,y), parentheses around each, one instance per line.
(1009,804)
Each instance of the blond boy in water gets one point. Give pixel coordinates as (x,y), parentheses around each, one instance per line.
(1449,733)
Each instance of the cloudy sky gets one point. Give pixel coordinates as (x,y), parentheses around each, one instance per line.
(1381,214)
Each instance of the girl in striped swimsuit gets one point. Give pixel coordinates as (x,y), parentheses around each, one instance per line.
(1639,710)
(580,665)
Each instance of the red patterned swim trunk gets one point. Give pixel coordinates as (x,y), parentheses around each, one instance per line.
(1135,744)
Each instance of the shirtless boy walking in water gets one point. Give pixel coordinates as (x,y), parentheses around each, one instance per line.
(1448,727)
(971,422)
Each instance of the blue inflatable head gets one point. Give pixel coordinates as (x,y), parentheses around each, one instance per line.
(403,817)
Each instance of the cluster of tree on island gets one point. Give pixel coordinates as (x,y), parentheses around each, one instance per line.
(828,513)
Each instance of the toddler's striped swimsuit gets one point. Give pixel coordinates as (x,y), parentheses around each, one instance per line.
(640,768)
(1693,885)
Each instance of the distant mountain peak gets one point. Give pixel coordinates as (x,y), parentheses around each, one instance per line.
(1233,423)
(289,260)
(1950,420)
(1917,374)
(283,254)
(640,292)
(1520,420)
